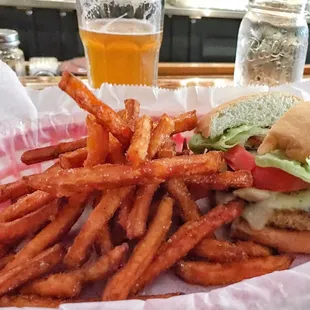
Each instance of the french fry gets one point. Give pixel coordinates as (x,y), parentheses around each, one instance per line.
(100,216)
(52,233)
(179,191)
(118,234)
(140,141)
(125,208)
(68,182)
(54,168)
(132,111)
(154,206)
(14,190)
(106,264)
(73,159)
(161,296)
(182,153)
(31,269)
(25,205)
(6,260)
(206,274)
(198,191)
(167,149)
(136,222)
(97,142)
(103,243)
(12,231)
(76,158)
(123,281)
(186,238)
(222,181)
(94,198)
(185,122)
(122,115)
(160,134)
(4,249)
(51,152)
(116,154)
(69,284)
(89,102)
(219,251)
(21,301)
(253,249)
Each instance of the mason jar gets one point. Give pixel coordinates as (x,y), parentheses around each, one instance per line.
(9,51)
(272,43)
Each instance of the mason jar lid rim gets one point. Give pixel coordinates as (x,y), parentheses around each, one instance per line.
(8,36)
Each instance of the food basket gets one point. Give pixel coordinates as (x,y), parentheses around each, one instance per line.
(33,118)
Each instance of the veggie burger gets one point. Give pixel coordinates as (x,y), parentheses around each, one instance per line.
(266,134)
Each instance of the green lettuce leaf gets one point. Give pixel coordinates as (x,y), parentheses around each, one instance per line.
(278,159)
(239,135)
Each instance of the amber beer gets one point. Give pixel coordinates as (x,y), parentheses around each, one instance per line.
(121,51)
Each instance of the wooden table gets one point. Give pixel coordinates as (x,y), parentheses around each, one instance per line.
(171,75)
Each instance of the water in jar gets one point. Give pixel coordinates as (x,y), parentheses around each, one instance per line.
(271,50)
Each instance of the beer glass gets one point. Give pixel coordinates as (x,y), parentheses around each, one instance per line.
(121,39)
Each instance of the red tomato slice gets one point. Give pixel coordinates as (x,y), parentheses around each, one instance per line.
(277,180)
(179,140)
(238,158)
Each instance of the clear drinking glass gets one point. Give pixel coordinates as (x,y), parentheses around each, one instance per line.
(122,39)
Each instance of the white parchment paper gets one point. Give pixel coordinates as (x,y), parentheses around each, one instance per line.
(29,118)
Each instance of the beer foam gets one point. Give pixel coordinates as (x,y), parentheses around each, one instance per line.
(120,26)
(91,9)
(135,3)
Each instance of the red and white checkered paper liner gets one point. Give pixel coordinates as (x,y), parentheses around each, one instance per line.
(57,118)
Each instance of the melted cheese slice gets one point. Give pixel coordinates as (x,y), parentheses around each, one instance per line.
(262,203)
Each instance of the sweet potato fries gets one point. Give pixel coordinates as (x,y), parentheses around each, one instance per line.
(89,102)
(117,209)
(203,273)
(68,182)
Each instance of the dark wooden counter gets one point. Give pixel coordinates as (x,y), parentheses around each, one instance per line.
(171,75)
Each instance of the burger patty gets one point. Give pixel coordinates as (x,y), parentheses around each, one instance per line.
(290,219)
(254,142)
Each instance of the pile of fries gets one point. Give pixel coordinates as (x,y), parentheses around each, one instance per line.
(132,184)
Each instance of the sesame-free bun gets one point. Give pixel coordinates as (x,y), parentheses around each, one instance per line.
(262,109)
(290,134)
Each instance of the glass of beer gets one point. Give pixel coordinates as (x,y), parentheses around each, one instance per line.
(121,39)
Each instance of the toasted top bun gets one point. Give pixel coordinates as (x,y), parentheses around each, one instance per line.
(261,109)
(290,134)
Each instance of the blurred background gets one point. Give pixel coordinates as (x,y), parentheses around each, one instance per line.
(199,39)
(194,30)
